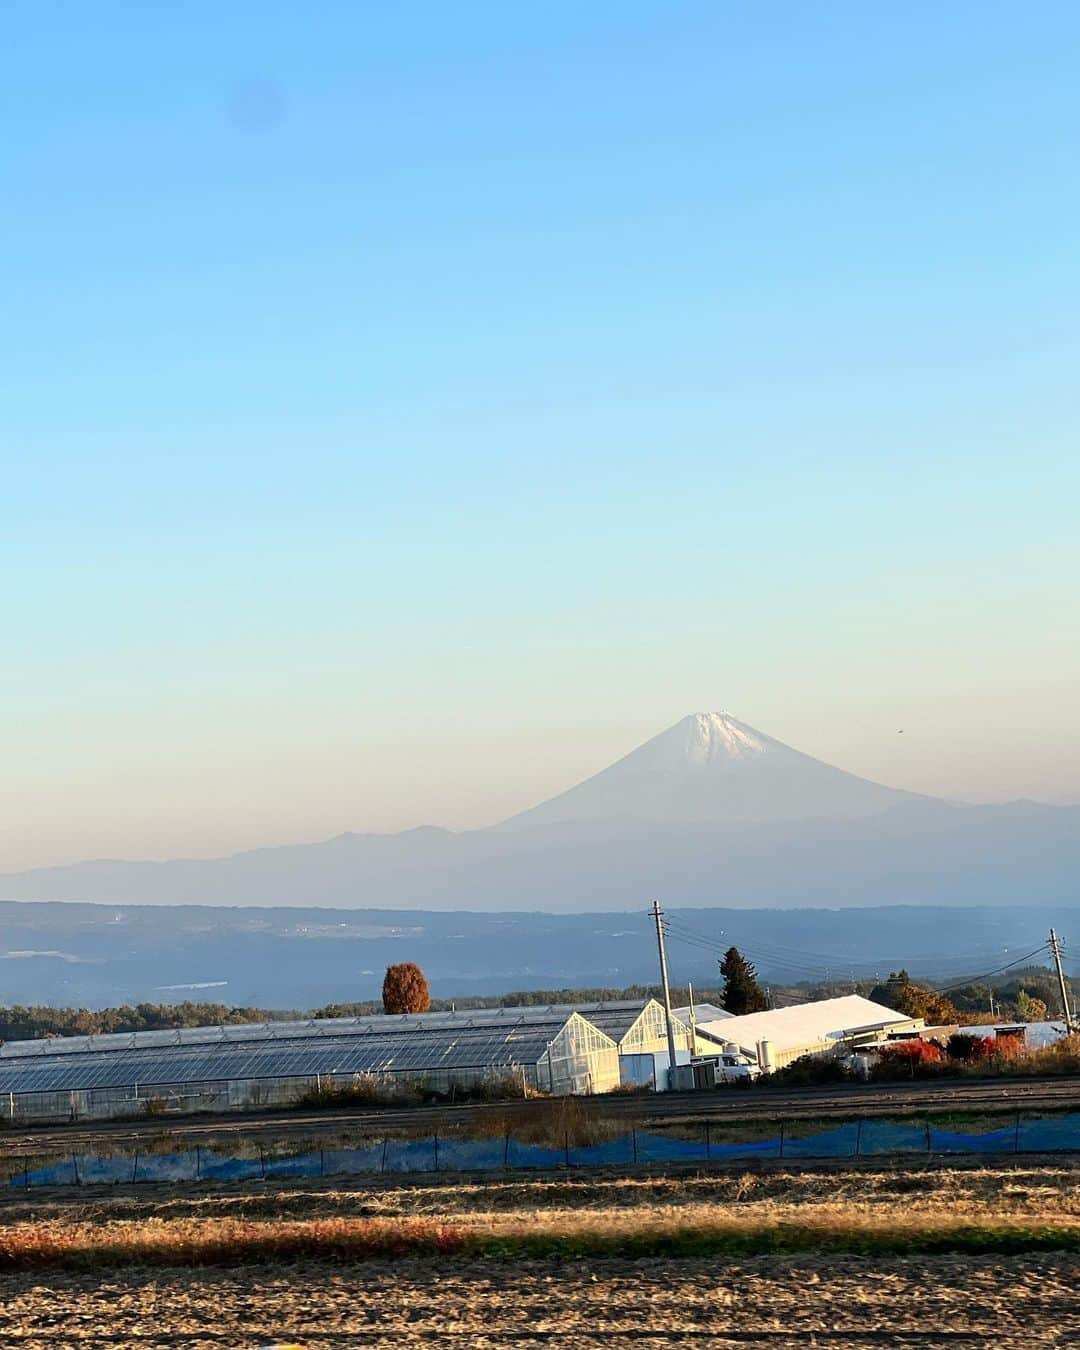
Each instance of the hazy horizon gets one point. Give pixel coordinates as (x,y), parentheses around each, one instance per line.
(407,415)
(477,824)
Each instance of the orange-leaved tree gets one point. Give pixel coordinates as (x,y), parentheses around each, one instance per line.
(405,989)
(935,1009)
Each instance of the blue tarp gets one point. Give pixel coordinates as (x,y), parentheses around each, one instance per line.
(409,1155)
(303,1165)
(532,1155)
(997,1141)
(869,1138)
(216,1168)
(105,1171)
(463,1155)
(343,1162)
(167,1166)
(839,1143)
(1060,1133)
(664,1148)
(886,1136)
(57,1174)
(599,1155)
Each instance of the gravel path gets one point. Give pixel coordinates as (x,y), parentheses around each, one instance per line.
(847,1302)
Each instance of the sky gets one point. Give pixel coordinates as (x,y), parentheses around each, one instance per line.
(409,409)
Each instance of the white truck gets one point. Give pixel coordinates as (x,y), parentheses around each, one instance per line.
(730,1065)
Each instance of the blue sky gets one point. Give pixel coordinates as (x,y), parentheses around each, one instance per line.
(407,409)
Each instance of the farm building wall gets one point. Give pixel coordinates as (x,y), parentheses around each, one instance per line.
(649,1032)
(649,1068)
(581,1059)
(237,1094)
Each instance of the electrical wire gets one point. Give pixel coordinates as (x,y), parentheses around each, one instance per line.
(977,979)
(830,957)
(776,959)
(779,956)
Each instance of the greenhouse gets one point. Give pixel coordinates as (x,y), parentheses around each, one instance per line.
(554,1049)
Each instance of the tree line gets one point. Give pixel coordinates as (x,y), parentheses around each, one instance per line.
(1029,995)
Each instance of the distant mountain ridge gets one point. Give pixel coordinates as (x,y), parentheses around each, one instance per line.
(709,812)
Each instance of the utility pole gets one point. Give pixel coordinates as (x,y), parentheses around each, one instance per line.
(658,915)
(1055,947)
(693,1018)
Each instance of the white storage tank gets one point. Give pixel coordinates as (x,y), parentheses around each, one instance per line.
(765,1056)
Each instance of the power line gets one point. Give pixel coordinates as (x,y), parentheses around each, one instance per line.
(777,958)
(976,979)
(780,950)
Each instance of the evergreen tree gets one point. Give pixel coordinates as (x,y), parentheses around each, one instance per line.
(742,993)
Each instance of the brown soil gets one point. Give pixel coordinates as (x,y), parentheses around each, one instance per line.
(844,1301)
(849,1302)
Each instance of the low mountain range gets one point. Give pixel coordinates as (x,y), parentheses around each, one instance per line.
(710,812)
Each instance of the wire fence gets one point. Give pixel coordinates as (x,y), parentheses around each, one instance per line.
(853,1139)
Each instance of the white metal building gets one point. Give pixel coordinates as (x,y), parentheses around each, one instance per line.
(830,1026)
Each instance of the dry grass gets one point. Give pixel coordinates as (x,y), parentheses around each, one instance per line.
(1020,1207)
(808,1254)
(221,1242)
(193,1243)
(551,1122)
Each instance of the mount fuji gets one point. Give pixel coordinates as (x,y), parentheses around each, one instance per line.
(710,812)
(712,767)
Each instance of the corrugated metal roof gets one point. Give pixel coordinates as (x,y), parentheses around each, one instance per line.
(703,1012)
(804,1024)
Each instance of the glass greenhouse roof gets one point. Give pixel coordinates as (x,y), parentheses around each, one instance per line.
(606,1015)
(390,1051)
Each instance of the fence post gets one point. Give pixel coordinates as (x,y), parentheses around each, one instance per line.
(1016,1137)
(384,1142)
(262,1162)
(198,1163)
(633,1136)
(436,1150)
(135,1168)
(75,1164)
(506,1149)
(566,1146)
(708,1142)
(781,1138)
(928,1147)
(858,1137)
(322,1162)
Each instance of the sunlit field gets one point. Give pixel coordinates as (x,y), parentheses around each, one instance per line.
(780,1252)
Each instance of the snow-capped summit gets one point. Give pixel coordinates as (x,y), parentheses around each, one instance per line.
(716,735)
(712,767)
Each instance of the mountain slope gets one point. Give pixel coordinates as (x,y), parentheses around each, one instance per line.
(712,767)
(710,812)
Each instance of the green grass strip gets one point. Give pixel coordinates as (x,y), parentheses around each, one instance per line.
(782,1239)
(29,1247)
